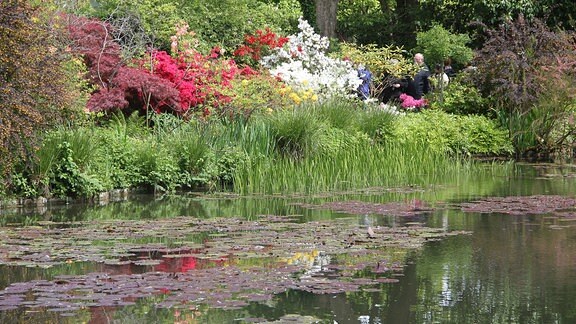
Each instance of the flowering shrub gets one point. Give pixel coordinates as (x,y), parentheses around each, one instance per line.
(303,65)
(198,78)
(255,93)
(182,83)
(298,96)
(408,102)
(117,86)
(258,45)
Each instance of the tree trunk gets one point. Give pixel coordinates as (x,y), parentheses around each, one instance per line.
(326,17)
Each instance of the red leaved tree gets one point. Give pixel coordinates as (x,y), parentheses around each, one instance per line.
(119,87)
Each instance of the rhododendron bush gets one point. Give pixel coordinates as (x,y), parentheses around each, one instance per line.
(408,102)
(303,64)
(183,83)
(255,46)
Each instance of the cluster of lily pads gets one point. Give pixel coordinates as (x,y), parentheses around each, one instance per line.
(236,248)
(227,263)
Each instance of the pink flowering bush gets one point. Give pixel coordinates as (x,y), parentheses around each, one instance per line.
(408,102)
(185,82)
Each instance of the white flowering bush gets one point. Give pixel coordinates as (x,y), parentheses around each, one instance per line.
(303,64)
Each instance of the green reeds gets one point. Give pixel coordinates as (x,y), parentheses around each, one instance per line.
(363,165)
(82,142)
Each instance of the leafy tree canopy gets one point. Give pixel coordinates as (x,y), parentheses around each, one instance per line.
(438,44)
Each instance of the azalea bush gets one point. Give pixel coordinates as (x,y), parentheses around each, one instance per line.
(257,45)
(185,83)
(304,65)
(409,103)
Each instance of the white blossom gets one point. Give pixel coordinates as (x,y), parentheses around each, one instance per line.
(303,64)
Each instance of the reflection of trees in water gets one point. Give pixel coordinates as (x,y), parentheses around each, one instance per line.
(514,269)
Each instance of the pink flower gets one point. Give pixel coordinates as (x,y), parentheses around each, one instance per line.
(409,102)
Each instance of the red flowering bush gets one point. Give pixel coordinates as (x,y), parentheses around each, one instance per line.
(183,83)
(258,45)
(118,87)
(408,102)
(199,79)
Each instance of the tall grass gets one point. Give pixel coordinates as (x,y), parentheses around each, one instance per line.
(333,146)
(82,142)
(362,166)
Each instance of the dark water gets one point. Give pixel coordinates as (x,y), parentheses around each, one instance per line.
(511,269)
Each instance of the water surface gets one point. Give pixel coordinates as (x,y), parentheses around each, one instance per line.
(511,269)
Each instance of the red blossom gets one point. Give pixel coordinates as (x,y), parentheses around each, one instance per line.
(258,45)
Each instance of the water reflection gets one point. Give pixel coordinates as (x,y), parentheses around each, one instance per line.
(512,269)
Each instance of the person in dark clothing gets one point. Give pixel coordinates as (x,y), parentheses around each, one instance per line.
(421,82)
(419,85)
(448,69)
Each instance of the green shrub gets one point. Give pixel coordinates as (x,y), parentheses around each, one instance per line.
(460,98)
(296,131)
(195,158)
(216,22)
(156,167)
(442,132)
(66,179)
(484,136)
(438,44)
(228,161)
(66,161)
(339,113)
(377,124)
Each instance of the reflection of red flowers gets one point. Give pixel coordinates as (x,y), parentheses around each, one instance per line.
(182,264)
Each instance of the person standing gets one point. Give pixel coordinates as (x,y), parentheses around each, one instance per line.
(421,82)
(366,77)
(448,69)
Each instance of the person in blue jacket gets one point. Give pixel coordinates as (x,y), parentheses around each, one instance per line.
(366,76)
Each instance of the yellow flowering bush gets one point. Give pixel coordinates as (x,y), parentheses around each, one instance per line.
(257,93)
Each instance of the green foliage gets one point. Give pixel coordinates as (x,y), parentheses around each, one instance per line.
(254,94)
(156,167)
(549,127)
(438,44)
(229,160)
(64,163)
(216,22)
(461,98)
(224,23)
(363,22)
(194,156)
(386,63)
(67,179)
(442,132)
(22,186)
(339,113)
(295,131)
(377,124)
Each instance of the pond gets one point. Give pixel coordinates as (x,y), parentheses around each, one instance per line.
(493,247)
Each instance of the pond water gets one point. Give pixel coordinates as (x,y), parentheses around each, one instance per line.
(510,260)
